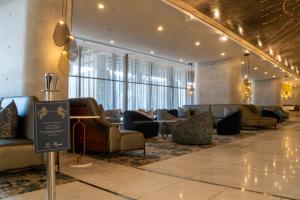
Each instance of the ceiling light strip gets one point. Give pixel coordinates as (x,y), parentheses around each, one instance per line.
(188,10)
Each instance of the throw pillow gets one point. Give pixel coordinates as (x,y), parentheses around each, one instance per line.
(8,121)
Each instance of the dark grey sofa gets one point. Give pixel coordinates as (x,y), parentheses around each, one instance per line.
(19,152)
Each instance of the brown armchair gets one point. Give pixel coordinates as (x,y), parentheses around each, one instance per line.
(102,136)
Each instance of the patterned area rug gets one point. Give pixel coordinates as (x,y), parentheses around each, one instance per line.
(18,182)
(158,149)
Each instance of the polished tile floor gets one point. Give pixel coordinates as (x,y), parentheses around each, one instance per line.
(265,166)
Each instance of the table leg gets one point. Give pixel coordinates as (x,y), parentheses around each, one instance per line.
(82,153)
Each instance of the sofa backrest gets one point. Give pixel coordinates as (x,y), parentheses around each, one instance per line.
(195,109)
(249,112)
(25,106)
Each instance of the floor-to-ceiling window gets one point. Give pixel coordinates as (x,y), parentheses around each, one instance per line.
(152,83)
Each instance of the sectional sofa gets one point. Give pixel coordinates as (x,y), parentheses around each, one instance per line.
(250,115)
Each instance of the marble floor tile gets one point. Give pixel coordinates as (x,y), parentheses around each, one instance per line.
(231,194)
(186,190)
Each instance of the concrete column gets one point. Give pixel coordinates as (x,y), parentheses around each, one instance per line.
(28,49)
(12,42)
(267,92)
(41,54)
(218,82)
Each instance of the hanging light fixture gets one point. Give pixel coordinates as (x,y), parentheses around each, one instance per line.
(63,38)
(246,83)
(190,85)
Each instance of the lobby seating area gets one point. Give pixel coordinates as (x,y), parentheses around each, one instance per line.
(150,100)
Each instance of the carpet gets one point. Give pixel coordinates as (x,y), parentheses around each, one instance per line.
(158,149)
(27,180)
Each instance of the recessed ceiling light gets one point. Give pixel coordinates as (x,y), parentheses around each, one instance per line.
(271,52)
(223,38)
(152,52)
(181,60)
(259,43)
(274,76)
(292,67)
(223,54)
(241,30)
(101,6)
(197,43)
(160,28)
(112,42)
(255,68)
(266,72)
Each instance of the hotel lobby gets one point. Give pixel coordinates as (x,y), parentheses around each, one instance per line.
(150,100)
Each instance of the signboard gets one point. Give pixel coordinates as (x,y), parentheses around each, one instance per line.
(51,126)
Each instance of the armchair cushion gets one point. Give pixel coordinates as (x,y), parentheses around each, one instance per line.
(132,140)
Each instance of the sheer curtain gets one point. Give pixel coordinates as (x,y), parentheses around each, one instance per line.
(152,83)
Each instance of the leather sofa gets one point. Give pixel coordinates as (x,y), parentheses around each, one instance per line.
(136,121)
(19,152)
(101,135)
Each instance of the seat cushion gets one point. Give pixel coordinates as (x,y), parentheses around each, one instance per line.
(218,110)
(14,142)
(131,140)
(260,122)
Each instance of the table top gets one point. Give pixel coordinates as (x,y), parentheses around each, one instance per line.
(84,117)
(167,121)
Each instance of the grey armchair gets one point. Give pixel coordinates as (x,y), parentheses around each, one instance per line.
(197,129)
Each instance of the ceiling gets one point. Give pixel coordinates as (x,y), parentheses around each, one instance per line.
(267,24)
(132,24)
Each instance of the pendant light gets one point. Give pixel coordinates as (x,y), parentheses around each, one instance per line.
(246,82)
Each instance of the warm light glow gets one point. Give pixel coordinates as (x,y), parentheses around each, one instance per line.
(71,37)
(181,60)
(65,53)
(271,52)
(197,43)
(259,43)
(243,62)
(241,30)
(223,38)
(160,28)
(112,41)
(266,73)
(223,54)
(279,58)
(274,76)
(101,6)
(152,52)
(61,22)
(216,13)
(255,68)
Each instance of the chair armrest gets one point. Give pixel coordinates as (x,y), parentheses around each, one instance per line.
(268,113)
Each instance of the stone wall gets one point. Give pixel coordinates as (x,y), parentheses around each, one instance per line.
(218,82)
